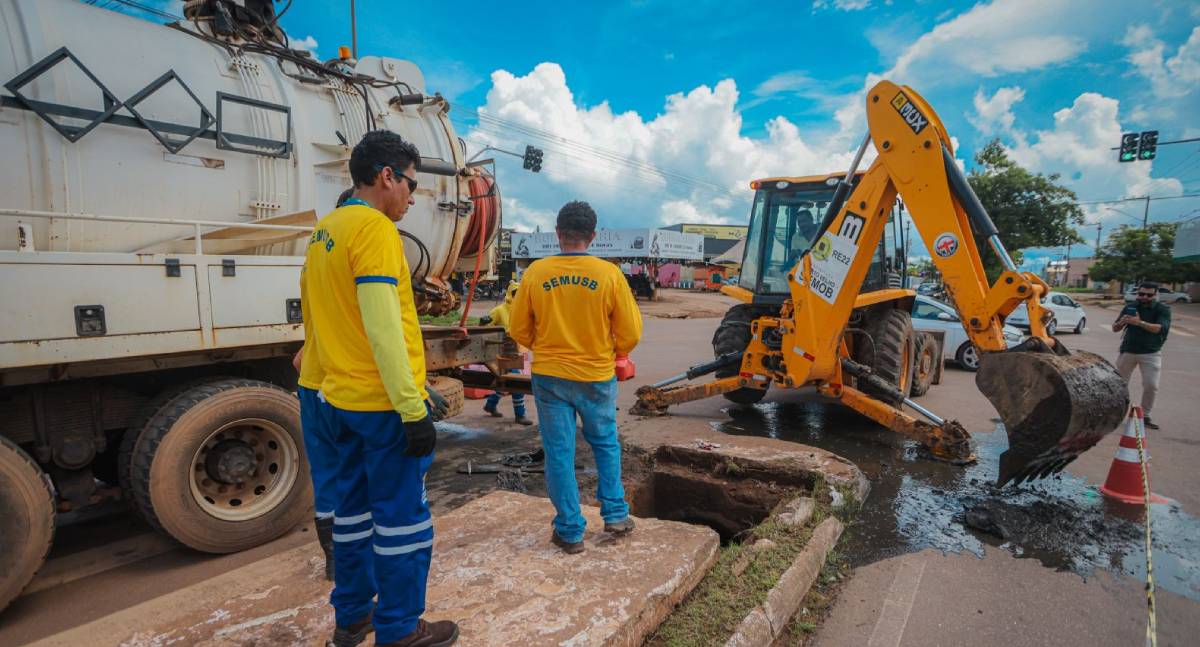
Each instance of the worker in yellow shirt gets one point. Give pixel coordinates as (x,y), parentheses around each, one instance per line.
(361,322)
(576,313)
(319,443)
(500,316)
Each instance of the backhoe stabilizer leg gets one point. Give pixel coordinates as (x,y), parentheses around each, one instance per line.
(654,401)
(1055,404)
(948,441)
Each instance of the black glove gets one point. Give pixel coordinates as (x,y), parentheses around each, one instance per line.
(421,437)
(438,407)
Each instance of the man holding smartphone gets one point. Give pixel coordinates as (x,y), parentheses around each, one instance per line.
(1146,324)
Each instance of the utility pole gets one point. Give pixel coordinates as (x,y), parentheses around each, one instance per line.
(1146,213)
(907,239)
(1098,225)
(353,33)
(1067,269)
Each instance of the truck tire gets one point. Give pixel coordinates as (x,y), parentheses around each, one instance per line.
(891,332)
(26,520)
(451,389)
(733,336)
(221,467)
(924,366)
(134,431)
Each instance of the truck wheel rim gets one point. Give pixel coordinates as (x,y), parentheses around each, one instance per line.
(244,469)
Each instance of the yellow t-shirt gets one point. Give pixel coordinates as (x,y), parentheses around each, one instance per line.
(576,312)
(311,373)
(351,245)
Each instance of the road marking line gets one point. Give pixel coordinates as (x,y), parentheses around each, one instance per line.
(898,604)
(92,561)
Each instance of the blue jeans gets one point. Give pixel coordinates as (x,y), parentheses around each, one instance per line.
(382,530)
(559,401)
(321,450)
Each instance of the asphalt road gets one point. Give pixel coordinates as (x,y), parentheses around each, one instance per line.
(910,598)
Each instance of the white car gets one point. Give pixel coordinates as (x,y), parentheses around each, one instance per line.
(1068,314)
(1164,295)
(932,315)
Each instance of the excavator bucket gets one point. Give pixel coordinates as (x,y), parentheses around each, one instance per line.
(1055,405)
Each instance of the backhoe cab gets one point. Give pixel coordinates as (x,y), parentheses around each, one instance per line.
(821,305)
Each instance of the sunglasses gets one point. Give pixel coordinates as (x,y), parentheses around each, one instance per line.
(412,182)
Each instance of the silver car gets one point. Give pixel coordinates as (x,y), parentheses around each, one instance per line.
(933,315)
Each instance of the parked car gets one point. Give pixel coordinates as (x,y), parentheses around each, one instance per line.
(927,289)
(1068,314)
(1164,294)
(933,315)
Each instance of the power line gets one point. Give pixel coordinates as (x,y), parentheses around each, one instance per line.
(644,172)
(572,159)
(1152,197)
(594,150)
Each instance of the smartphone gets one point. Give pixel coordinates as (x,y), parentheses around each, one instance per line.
(1130,310)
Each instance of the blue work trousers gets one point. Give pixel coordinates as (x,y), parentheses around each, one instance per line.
(382,529)
(493,401)
(559,401)
(322,452)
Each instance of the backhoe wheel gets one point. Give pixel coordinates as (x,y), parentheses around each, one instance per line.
(893,350)
(924,366)
(26,520)
(221,467)
(733,336)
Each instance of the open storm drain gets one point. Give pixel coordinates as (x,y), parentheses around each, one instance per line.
(730,496)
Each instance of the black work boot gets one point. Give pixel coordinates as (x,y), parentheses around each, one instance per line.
(1150,424)
(622,527)
(351,636)
(442,633)
(568,547)
(325,538)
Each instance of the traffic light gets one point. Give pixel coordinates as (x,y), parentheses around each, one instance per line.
(1148,146)
(533,159)
(1129,147)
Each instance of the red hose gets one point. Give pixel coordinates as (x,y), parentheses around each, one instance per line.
(480,240)
(484,219)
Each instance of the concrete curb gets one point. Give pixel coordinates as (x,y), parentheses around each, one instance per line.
(767,621)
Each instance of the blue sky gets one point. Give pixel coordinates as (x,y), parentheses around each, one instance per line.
(668,109)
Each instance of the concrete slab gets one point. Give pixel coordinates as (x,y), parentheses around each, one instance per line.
(689,433)
(495,572)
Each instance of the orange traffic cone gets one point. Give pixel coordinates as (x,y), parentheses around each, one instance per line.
(1124,481)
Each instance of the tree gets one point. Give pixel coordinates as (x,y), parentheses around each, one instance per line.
(1029,209)
(1132,254)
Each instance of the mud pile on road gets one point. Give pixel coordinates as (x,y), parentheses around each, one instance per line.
(917,504)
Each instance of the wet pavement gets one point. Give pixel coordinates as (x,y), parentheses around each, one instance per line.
(917,503)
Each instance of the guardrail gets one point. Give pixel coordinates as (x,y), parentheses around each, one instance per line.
(195,224)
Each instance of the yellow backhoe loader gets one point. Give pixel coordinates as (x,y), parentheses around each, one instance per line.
(822,304)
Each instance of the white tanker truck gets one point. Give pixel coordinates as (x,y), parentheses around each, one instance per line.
(158,186)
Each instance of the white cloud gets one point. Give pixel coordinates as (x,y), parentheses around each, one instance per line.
(306,44)
(690,162)
(1170,77)
(991,39)
(841,5)
(994,115)
(518,216)
(1078,148)
(988,40)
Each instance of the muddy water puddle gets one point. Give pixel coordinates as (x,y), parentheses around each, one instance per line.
(918,503)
